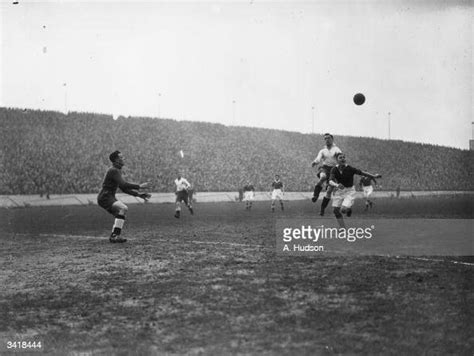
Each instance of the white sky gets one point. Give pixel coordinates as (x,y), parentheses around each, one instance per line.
(276,60)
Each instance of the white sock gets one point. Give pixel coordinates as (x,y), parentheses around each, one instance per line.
(119,223)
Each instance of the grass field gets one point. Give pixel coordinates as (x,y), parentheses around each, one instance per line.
(212,284)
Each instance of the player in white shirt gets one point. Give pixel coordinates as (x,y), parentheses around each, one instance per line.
(327,158)
(182,186)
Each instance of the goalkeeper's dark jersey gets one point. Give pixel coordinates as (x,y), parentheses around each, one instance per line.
(113,180)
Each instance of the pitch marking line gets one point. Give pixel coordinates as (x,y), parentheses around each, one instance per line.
(160,240)
(225,243)
(438,260)
(62,236)
(74,236)
(230,245)
(428,259)
(222,243)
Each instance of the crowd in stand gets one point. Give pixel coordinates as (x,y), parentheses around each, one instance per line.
(45,152)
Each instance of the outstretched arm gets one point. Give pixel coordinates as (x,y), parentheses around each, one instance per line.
(135,193)
(131,188)
(317,159)
(144,185)
(123,185)
(373,176)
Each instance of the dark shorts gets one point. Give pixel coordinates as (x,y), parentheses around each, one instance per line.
(182,195)
(106,199)
(326,170)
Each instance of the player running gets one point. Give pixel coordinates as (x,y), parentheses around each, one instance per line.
(182,187)
(327,157)
(366,185)
(277,192)
(249,195)
(342,178)
(107,200)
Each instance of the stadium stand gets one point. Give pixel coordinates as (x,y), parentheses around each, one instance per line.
(47,152)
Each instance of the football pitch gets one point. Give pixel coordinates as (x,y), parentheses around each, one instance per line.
(213,284)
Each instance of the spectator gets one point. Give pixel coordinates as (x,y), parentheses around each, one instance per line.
(62,151)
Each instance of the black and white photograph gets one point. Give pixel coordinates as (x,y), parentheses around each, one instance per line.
(245,177)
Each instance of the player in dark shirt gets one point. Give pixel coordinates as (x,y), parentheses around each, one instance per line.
(249,192)
(107,200)
(248,188)
(342,178)
(277,192)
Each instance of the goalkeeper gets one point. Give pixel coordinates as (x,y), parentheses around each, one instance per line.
(107,200)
